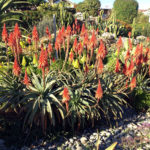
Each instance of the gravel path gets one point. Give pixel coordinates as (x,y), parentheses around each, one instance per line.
(134,127)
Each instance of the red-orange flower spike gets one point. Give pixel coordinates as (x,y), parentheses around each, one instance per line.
(17,33)
(71,56)
(119,43)
(26,80)
(93,39)
(99,92)
(4,34)
(101,51)
(11,40)
(100,66)
(130,69)
(43,59)
(86,39)
(16,68)
(80,48)
(133,83)
(47,30)
(29,40)
(117,68)
(68,31)
(130,44)
(35,35)
(83,29)
(127,55)
(66,96)
(50,49)
(129,34)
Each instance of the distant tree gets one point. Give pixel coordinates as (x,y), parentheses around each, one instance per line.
(92,7)
(125,10)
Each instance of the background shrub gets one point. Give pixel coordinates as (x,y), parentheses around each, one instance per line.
(92,7)
(126,10)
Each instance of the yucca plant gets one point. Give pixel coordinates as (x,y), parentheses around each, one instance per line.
(41,103)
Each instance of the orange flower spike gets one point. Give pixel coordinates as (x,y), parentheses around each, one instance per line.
(129,34)
(50,49)
(147,40)
(71,56)
(127,55)
(47,30)
(99,92)
(17,33)
(86,39)
(133,83)
(16,67)
(130,69)
(68,31)
(83,29)
(130,44)
(119,42)
(100,66)
(35,35)
(93,39)
(4,34)
(66,96)
(80,49)
(101,51)
(26,80)
(117,68)
(29,40)
(43,59)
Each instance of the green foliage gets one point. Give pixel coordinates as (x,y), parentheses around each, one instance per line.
(142,91)
(36,2)
(142,29)
(125,10)
(91,7)
(45,22)
(141,18)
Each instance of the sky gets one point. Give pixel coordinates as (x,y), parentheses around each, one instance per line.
(143,4)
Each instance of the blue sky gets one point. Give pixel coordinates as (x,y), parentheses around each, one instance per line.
(143,4)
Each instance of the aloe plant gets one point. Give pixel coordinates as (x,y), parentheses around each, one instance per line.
(11,91)
(40,102)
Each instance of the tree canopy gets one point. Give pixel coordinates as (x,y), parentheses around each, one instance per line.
(92,7)
(125,10)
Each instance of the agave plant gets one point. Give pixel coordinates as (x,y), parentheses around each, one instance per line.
(40,102)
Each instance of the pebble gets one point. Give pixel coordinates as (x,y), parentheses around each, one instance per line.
(89,137)
(83,140)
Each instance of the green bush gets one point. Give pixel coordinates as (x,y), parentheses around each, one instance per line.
(92,7)
(141,18)
(142,100)
(126,10)
(142,29)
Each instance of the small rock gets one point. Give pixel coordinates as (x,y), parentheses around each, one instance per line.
(71,141)
(83,140)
